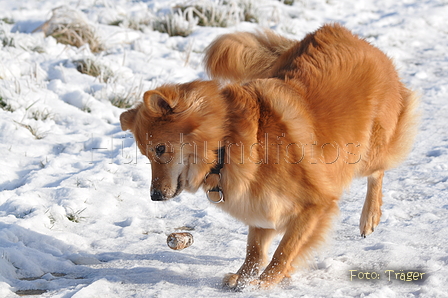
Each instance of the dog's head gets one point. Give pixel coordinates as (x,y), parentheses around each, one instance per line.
(178,127)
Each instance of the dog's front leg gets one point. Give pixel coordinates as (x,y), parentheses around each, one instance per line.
(258,242)
(305,230)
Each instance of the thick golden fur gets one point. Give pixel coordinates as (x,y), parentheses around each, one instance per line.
(298,121)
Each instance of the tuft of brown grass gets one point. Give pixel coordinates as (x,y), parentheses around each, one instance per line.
(93,68)
(223,13)
(126,99)
(68,26)
(5,105)
(33,130)
(75,216)
(7,21)
(175,24)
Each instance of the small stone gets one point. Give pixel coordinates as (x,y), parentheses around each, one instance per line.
(178,241)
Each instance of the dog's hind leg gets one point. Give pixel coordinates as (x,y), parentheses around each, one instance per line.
(258,242)
(371,212)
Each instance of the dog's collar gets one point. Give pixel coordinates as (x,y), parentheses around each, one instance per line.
(216,170)
(220,164)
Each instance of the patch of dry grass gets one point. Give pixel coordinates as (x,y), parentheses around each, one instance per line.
(93,68)
(68,26)
(33,130)
(127,98)
(222,13)
(178,23)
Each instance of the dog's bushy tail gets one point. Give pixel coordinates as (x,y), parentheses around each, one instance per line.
(244,56)
(406,129)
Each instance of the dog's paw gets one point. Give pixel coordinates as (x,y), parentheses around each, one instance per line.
(369,222)
(238,282)
(258,284)
(269,281)
(230,281)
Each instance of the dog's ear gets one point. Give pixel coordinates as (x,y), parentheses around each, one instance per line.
(127,119)
(157,103)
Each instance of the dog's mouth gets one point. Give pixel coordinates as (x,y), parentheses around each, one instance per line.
(157,195)
(179,187)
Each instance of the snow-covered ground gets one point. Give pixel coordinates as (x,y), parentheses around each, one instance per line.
(76,219)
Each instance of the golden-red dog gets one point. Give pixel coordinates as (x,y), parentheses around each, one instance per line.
(296,122)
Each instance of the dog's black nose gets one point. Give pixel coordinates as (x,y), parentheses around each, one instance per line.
(156,195)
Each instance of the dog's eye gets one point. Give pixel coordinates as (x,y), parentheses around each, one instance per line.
(160,149)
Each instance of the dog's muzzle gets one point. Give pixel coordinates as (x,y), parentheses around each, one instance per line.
(156,195)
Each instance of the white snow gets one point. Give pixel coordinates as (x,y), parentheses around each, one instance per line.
(76,219)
